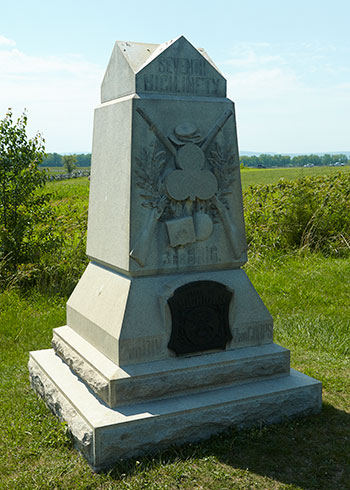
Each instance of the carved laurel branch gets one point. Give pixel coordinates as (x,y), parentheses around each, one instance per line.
(150,169)
(150,166)
(224,168)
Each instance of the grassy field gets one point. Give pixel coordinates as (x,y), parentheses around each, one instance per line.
(252,176)
(307,295)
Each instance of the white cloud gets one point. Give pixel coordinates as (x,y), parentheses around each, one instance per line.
(264,83)
(303,120)
(4,41)
(297,100)
(15,62)
(59,92)
(252,55)
(280,108)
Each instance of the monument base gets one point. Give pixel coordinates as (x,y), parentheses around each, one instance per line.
(106,435)
(124,385)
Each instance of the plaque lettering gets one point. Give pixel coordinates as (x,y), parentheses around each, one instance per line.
(252,334)
(199,312)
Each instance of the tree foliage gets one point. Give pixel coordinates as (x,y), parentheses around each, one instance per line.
(268,161)
(55,160)
(69,162)
(52,160)
(21,206)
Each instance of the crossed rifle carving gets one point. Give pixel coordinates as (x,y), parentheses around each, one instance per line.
(141,248)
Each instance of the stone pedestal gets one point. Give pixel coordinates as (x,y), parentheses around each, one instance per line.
(166,339)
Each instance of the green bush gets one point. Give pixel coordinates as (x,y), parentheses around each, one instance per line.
(25,228)
(310,213)
(58,269)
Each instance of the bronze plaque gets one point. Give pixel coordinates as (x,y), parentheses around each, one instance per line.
(199,313)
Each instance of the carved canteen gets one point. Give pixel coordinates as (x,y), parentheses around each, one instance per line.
(203,226)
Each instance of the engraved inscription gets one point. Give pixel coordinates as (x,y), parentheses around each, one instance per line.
(181,84)
(141,349)
(181,231)
(191,256)
(182,66)
(253,333)
(181,75)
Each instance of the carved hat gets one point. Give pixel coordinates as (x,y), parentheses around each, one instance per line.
(185,132)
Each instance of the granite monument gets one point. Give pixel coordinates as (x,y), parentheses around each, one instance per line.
(166,339)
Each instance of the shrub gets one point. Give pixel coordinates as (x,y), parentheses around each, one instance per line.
(311,213)
(22,207)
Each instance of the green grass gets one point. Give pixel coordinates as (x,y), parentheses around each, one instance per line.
(308,298)
(78,187)
(272,175)
(69,201)
(307,295)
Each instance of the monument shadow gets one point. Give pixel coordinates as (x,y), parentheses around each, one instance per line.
(309,452)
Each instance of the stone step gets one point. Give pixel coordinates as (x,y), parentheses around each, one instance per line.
(105,435)
(118,386)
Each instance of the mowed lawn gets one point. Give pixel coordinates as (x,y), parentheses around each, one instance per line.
(308,296)
(254,176)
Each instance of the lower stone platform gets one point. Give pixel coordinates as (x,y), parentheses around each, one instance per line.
(105,435)
(125,385)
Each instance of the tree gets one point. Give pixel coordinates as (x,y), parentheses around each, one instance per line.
(341,158)
(69,162)
(52,160)
(326,159)
(20,205)
(84,160)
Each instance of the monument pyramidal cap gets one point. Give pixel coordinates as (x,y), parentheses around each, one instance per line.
(135,62)
(166,340)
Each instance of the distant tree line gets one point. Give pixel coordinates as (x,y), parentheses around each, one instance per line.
(263,160)
(296,161)
(57,160)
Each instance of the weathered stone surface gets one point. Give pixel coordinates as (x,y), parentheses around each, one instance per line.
(84,367)
(174,67)
(118,386)
(138,429)
(58,403)
(168,164)
(156,183)
(114,312)
(165,218)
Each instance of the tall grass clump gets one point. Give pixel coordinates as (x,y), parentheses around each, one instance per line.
(59,270)
(57,264)
(310,213)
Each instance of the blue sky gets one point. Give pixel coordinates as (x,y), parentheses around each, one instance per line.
(287,64)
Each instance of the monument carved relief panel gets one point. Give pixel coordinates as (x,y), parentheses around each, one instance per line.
(184,178)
